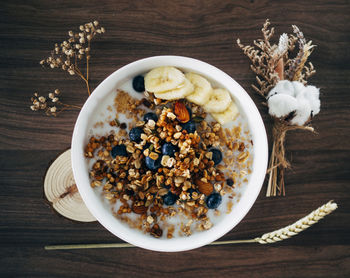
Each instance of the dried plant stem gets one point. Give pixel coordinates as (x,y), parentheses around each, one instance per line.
(87,62)
(60,111)
(79,73)
(66,107)
(70,105)
(278,162)
(87,69)
(271,167)
(271,237)
(88,86)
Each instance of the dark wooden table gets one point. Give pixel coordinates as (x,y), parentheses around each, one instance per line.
(205,30)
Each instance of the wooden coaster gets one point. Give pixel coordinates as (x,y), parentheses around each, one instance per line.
(62,192)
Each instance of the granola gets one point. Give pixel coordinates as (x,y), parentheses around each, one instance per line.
(175,185)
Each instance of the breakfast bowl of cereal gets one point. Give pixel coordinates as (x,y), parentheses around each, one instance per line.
(169,153)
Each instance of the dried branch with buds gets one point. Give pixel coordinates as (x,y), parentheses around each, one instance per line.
(67,56)
(51,104)
(272,66)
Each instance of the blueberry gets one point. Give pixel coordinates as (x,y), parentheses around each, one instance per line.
(213,200)
(229,182)
(190,127)
(138,83)
(135,134)
(169,199)
(119,150)
(150,116)
(151,164)
(217,155)
(169,149)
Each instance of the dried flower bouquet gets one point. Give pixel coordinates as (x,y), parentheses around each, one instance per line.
(282,81)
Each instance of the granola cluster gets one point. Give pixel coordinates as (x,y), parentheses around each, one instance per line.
(189,176)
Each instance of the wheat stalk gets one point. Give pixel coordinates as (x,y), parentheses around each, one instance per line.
(272,237)
(298,226)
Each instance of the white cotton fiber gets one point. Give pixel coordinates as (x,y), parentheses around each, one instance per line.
(303,112)
(313,96)
(299,88)
(282,87)
(288,96)
(281,105)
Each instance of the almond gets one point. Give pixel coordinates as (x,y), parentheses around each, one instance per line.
(181,112)
(139,209)
(204,187)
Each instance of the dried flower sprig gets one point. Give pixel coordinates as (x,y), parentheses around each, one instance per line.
(67,54)
(297,65)
(267,57)
(292,105)
(272,237)
(51,104)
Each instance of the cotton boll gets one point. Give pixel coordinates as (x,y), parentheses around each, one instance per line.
(280,105)
(312,94)
(303,112)
(299,88)
(282,87)
(288,96)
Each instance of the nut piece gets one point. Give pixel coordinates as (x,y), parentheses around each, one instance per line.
(181,112)
(204,187)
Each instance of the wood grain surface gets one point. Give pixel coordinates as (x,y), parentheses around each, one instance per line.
(205,30)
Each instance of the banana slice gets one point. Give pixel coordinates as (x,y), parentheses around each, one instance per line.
(163,79)
(228,115)
(181,92)
(219,100)
(202,89)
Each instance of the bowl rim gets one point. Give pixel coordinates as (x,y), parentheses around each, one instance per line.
(255,183)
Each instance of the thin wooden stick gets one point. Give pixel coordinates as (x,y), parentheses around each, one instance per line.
(128,245)
(88,246)
(272,237)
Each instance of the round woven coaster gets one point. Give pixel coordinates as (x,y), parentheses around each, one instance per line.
(62,192)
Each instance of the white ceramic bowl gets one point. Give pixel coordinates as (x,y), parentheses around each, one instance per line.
(103,214)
